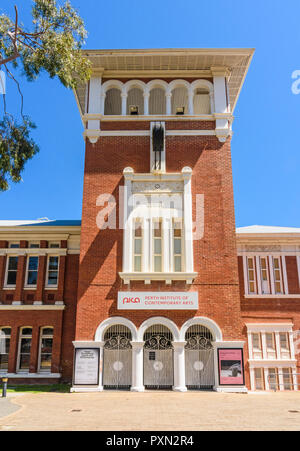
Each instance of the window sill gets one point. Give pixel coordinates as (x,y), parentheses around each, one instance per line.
(28,375)
(271,296)
(168,277)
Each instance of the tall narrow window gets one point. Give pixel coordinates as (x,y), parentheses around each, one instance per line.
(251,275)
(259,379)
(5,333)
(271,350)
(277,275)
(138,246)
(46,345)
(24,349)
(157,245)
(32,270)
(287,378)
(52,271)
(256,345)
(177,246)
(284,345)
(264,275)
(273,379)
(11,273)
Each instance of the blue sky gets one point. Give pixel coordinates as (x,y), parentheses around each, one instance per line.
(265,145)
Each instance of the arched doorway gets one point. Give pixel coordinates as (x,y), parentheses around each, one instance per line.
(117,357)
(199,358)
(158,357)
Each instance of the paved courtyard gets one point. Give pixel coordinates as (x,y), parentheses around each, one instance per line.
(164,411)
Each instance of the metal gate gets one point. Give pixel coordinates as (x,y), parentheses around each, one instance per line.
(199,358)
(158,358)
(117,358)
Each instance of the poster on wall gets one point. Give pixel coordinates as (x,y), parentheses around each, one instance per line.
(86,366)
(231,366)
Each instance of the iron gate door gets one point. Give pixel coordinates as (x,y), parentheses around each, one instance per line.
(199,359)
(117,358)
(158,358)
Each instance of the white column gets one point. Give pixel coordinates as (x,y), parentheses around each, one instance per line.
(294,378)
(285,279)
(252,379)
(191,102)
(137,366)
(292,346)
(257,264)
(179,366)
(271,274)
(102,102)
(166,244)
(188,219)
(124,103)
(219,76)
(94,102)
(128,232)
(280,379)
(101,347)
(250,347)
(168,103)
(146,103)
(277,342)
(264,345)
(145,246)
(212,103)
(266,376)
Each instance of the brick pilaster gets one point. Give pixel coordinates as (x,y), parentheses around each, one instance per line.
(41,277)
(13,350)
(56,350)
(34,353)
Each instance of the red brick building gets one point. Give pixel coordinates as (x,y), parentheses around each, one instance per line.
(165,293)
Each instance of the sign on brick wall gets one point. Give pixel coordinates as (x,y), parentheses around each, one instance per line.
(146,300)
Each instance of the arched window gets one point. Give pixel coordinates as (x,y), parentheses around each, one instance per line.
(199,358)
(202,101)
(158,357)
(25,341)
(157,101)
(179,101)
(117,357)
(46,345)
(5,333)
(113,104)
(135,101)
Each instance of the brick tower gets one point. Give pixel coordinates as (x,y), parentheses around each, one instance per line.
(158,294)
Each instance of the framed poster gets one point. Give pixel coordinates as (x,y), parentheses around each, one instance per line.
(231,366)
(86,366)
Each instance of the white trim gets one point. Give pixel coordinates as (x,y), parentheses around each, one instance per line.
(164,276)
(203,321)
(31,375)
(26,285)
(99,335)
(269,327)
(21,336)
(35,252)
(40,347)
(272,296)
(31,307)
(47,286)
(158,320)
(5,286)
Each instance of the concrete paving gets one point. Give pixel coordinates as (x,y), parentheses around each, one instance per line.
(7,407)
(160,411)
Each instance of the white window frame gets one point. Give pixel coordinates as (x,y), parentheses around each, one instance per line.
(47,272)
(34,245)
(257,268)
(282,284)
(261,276)
(255,275)
(2,371)
(26,285)
(40,348)
(6,286)
(10,245)
(153,254)
(19,348)
(54,242)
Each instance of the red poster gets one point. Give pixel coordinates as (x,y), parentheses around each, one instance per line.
(231,367)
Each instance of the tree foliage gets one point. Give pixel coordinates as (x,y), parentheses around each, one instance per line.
(53,44)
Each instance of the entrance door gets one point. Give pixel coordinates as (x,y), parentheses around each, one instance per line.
(158,358)
(117,358)
(199,358)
